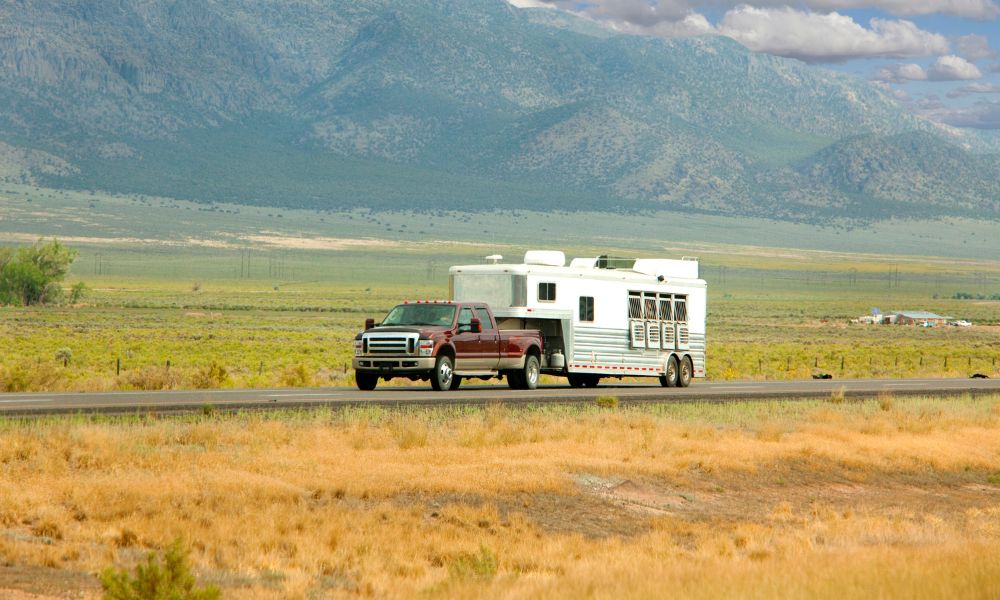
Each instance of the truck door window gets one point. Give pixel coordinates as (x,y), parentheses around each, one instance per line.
(587,309)
(465,319)
(484,318)
(546,292)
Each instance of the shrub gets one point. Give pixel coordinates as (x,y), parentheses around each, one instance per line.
(77,292)
(296,376)
(482,566)
(170,579)
(151,378)
(212,376)
(607,402)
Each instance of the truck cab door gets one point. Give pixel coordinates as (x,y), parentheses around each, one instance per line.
(489,339)
(468,351)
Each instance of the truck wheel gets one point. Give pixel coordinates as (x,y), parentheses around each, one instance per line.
(514,380)
(576,380)
(687,370)
(365,381)
(529,375)
(669,379)
(443,373)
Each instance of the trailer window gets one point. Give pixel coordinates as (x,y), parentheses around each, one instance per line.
(547,292)
(587,308)
(634,305)
(665,313)
(680,309)
(649,306)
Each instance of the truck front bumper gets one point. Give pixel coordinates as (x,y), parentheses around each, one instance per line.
(388,365)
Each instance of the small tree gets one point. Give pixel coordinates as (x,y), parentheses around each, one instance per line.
(32,275)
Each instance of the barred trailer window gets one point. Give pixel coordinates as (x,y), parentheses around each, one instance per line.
(634,305)
(680,308)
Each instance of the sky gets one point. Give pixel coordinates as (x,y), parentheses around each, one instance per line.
(940,57)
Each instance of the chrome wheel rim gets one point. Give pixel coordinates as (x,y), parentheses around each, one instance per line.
(532,373)
(444,374)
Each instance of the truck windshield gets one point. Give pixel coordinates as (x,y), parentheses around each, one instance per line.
(442,315)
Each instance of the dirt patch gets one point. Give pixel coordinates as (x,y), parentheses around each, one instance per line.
(42,583)
(316,243)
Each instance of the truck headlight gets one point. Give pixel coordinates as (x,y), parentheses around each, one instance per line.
(426,348)
(358,348)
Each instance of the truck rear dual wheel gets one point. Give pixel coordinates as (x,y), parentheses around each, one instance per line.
(526,378)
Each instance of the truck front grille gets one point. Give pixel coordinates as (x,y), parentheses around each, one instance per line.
(390,344)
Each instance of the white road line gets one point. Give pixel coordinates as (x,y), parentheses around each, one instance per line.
(898,385)
(734,387)
(302,395)
(27,400)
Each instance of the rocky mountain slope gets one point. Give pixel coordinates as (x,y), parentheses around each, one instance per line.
(458,104)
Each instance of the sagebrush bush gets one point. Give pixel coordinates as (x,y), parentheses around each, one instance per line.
(151,378)
(170,579)
(296,376)
(212,376)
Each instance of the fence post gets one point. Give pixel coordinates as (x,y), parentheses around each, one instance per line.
(946,363)
(168,364)
(118,366)
(841,363)
(816,362)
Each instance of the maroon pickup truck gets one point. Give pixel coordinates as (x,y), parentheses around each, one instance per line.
(445,342)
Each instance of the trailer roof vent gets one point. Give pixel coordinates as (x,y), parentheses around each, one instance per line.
(547,258)
(493,259)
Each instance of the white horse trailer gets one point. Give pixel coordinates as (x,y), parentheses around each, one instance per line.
(601,317)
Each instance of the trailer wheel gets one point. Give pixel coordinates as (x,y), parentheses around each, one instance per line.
(365,381)
(591,381)
(529,376)
(669,379)
(575,380)
(687,369)
(444,373)
(456,382)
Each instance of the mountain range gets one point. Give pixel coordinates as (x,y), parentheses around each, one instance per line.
(456,105)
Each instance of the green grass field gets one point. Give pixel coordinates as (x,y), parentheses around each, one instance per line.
(236,296)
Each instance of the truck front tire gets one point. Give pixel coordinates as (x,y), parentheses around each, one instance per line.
(365,381)
(444,373)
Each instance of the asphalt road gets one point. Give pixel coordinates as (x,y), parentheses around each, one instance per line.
(36,404)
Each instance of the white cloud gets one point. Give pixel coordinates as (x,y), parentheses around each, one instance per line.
(900,73)
(975,47)
(945,68)
(953,68)
(815,37)
(975,88)
(648,12)
(981,115)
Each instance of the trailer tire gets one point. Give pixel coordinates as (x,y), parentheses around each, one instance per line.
(456,382)
(365,381)
(685,373)
(575,380)
(591,381)
(670,378)
(444,373)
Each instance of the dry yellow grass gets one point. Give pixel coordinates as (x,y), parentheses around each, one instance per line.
(892,497)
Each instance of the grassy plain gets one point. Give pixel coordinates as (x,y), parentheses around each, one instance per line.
(238,296)
(890,497)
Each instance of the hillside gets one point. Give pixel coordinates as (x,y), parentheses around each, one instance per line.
(453,104)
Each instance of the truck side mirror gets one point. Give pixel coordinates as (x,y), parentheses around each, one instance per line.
(476,326)
(369,323)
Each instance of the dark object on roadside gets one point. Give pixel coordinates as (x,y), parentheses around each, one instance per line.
(978,376)
(822,376)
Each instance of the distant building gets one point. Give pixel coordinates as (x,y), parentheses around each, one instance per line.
(919,317)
